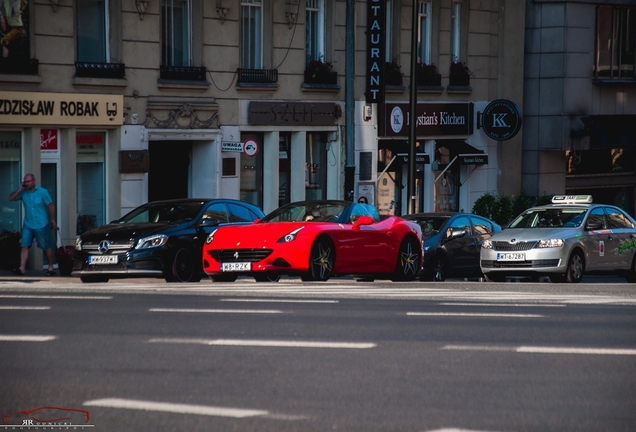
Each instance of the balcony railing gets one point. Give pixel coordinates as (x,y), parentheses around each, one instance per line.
(100,70)
(261,76)
(183,73)
(19,66)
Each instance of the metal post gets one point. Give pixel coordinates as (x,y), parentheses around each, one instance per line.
(413,111)
(350,164)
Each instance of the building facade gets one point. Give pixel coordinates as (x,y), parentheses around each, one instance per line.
(579,133)
(113,103)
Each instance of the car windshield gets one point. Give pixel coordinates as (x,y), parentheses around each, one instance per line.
(322,211)
(430,225)
(550,218)
(162,213)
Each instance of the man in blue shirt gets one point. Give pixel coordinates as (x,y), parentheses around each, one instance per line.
(39,220)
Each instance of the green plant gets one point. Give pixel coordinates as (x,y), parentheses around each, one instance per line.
(502,209)
(459,68)
(317,69)
(392,72)
(425,71)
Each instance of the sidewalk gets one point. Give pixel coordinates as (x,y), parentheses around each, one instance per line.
(37,275)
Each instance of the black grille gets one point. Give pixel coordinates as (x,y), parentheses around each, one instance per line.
(240,255)
(520,264)
(257,75)
(182,73)
(100,70)
(505,246)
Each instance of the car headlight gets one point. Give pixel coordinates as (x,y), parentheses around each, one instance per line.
(289,237)
(426,248)
(487,244)
(210,237)
(152,241)
(78,243)
(550,243)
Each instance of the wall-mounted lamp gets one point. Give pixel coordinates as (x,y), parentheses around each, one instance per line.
(221,9)
(54,4)
(141,6)
(291,12)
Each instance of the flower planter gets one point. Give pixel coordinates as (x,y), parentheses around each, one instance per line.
(460,80)
(430,80)
(320,77)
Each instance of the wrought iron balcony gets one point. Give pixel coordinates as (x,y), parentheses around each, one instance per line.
(262,76)
(100,70)
(183,73)
(19,66)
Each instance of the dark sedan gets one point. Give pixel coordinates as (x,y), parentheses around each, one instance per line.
(452,242)
(160,239)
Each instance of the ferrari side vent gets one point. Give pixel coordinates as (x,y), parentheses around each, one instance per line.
(240,255)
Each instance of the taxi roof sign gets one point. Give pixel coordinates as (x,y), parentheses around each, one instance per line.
(572,199)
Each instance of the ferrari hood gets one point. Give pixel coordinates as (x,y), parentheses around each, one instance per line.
(259,234)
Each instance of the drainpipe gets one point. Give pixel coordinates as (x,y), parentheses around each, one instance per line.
(350,164)
(413,112)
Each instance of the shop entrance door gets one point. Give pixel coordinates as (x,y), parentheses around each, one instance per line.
(169,169)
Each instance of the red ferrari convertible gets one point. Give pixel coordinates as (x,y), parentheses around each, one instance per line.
(316,240)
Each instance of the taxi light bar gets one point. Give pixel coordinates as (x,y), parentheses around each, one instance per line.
(572,199)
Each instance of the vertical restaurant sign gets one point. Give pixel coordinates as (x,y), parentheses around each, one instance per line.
(61,109)
(432,119)
(376,35)
(48,141)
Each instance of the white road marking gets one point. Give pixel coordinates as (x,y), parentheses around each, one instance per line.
(25,307)
(265,343)
(26,338)
(457,430)
(174,408)
(278,301)
(504,304)
(544,350)
(57,297)
(468,314)
(244,311)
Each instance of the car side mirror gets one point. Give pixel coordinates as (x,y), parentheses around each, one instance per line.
(593,226)
(209,222)
(362,220)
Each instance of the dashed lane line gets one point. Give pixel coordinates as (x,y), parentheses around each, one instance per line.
(228,311)
(26,338)
(265,343)
(544,349)
(174,408)
(473,314)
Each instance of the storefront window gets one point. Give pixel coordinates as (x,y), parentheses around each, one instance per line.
(446,191)
(10,178)
(252,170)
(91,150)
(316,167)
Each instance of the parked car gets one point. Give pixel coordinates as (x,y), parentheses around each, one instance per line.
(563,240)
(160,239)
(452,242)
(316,240)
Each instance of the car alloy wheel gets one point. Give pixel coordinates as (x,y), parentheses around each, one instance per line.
(321,260)
(183,268)
(575,269)
(440,269)
(408,260)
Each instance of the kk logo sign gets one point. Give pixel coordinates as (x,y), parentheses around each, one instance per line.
(501,120)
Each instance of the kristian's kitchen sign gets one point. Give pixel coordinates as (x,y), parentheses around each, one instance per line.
(61,109)
(432,119)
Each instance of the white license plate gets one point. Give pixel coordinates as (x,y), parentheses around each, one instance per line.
(235,267)
(102,259)
(511,257)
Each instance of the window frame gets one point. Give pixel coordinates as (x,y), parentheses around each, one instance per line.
(252,58)
(619,14)
(425,32)
(315,49)
(80,21)
(168,32)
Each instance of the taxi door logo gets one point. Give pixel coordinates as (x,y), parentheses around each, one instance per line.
(601,248)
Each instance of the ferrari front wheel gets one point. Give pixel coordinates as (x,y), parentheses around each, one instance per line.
(408,260)
(321,260)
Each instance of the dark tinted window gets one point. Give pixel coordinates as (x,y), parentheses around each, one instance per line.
(481,226)
(616,219)
(239,213)
(597,215)
(216,211)
(461,223)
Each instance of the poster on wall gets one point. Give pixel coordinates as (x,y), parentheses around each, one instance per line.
(49,142)
(90,147)
(367,190)
(386,194)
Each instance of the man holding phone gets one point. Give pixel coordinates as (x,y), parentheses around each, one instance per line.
(39,219)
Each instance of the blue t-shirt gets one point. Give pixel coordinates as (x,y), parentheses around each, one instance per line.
(35,207)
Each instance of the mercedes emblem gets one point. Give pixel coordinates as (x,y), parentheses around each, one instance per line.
(103,246)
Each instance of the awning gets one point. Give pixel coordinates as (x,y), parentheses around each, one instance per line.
(465,153)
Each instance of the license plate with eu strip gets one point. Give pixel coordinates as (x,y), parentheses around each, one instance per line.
(102,259)
(236,266)
(511,257)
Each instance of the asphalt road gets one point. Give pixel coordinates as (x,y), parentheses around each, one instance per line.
(342,355)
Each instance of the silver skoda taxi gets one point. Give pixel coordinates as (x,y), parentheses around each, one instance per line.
(563,241)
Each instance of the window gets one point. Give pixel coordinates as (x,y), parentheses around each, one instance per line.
(456,31)
(617,219)
(315,30)
(388,48)
(316,166)
(239,213)
(252,34)
(91,185)
(481,226)
(92,36)
(615,42)
(217,212)
(10,179)
(597,216)
(176,30)
(424,34)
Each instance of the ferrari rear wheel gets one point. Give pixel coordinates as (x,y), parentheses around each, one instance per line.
(408,260)
(224,277)
(321,260)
